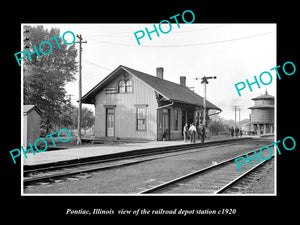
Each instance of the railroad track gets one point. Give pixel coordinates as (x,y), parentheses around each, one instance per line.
(128,154)
(79,168)
(244,185)
(214,179)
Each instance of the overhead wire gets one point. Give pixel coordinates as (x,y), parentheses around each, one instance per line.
(97,65)
(186,45)
(130,33)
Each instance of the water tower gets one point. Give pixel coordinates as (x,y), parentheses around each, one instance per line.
(262,114)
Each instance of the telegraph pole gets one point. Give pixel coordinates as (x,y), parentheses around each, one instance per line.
(80,86)
(204,81)
(236,108)
(70,98)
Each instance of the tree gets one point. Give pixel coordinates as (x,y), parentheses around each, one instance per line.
(87,119)
(216,126)
(45,77)
(65,118)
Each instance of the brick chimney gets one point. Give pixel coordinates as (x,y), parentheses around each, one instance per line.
(182,80)
(160,72)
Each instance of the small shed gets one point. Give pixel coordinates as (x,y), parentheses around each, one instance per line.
(31,124)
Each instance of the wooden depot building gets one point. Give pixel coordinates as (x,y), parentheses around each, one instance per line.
(130,104)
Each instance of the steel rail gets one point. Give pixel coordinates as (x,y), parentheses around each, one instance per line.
(130,155)
(198,172)
(229,185)
(28,180)
(124,155)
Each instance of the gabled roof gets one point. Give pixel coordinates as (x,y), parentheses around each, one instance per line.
(29,108)
(171,91)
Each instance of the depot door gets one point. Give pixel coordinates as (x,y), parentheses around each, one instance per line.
(166,123)
(110,122)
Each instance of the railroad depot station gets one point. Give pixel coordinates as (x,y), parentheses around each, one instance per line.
(130,131)
(134,112)
(130,104)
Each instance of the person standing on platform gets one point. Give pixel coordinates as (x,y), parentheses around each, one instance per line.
(192,132)
(202,132)
(241,132)
(198,129)
(185,132)
(237,131)
(232,131)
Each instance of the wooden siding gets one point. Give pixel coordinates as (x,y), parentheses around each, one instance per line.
(262,116)
(264,102)
(190,116)
(125,110)
(174,134)
(31,127)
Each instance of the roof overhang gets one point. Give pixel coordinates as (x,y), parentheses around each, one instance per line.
(89,97)
(28,108)
(193,100)
(262,107)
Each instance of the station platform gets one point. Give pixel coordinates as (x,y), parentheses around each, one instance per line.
(94,150)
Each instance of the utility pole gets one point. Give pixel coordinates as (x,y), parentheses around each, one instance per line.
(204,81)
(236,108)
(70,98)
(79,81)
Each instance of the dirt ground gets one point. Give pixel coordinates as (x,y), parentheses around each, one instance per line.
(264,181)
(261,181)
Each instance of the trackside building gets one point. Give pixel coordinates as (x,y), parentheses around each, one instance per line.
(262,114)
(130,104)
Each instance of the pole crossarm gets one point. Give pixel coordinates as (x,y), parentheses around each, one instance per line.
(236,108)
(204,81)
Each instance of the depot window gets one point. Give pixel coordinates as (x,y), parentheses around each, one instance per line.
(128,85)
(141,119)
(125,86)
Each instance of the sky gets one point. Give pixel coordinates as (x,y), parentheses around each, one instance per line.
(232,52)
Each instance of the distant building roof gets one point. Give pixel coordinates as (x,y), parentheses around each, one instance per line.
(28,108)
(170,90)
(265,96)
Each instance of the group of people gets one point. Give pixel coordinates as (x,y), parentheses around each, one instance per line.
(190,131)
(236,131)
